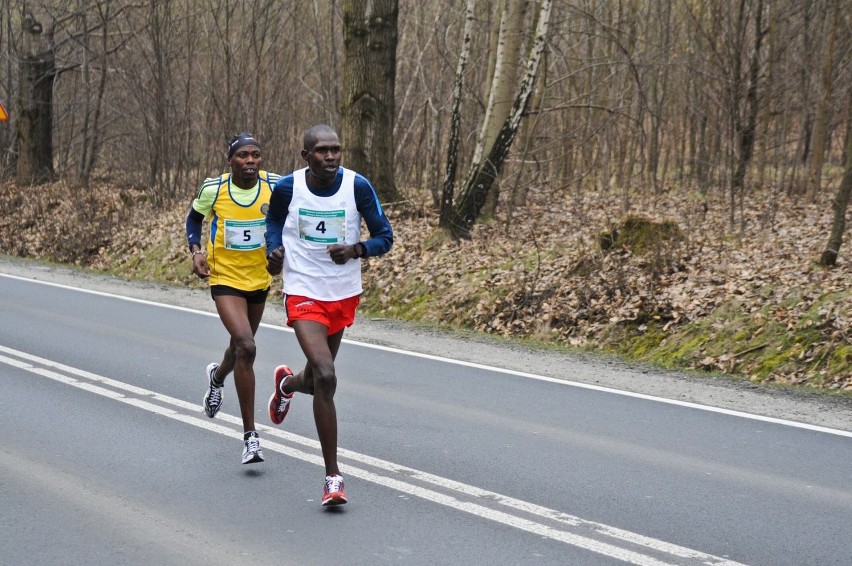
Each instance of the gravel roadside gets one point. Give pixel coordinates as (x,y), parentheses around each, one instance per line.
(811,408)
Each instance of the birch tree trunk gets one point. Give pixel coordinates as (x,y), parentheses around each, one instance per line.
(455,120)
(369,76)
(506,70)
(506,63)
(484,172)
(506,67)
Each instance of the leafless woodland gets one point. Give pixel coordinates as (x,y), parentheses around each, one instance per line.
(632,97)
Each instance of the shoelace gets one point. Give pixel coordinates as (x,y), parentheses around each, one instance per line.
(215,396)
(252,444)
(333,483)
(282,403)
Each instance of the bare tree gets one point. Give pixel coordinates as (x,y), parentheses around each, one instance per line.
(735,53)
(832,22)
(841,199)
(658,97)
(158,102)
(324,14)
(94,70)
(806,90)
(745,112)
(369,79)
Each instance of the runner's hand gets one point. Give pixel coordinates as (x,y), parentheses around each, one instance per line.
(200,266)
(275,261)
(341,253)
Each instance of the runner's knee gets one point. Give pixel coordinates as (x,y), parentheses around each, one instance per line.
(325,380)
(244,348)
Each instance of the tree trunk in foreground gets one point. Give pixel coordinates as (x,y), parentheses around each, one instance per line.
(35,101)
(369,76)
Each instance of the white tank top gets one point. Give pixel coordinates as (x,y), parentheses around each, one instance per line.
(313,223)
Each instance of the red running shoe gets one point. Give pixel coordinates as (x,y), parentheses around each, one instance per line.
(333,492)
(279,403)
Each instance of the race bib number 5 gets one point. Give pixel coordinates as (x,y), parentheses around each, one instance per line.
(322,226)
(244,235)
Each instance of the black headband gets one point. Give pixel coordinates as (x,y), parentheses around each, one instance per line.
(240,141)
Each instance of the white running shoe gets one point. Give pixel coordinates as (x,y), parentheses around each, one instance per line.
(252,452)
(213,397)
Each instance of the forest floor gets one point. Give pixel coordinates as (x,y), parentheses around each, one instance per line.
(677,280)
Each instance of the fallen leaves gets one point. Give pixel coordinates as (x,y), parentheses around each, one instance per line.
(541,275)
(579,291)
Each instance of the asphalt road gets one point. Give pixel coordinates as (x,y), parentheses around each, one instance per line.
(107,458)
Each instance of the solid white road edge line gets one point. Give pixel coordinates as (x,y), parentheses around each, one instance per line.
(579,541)
(442,359)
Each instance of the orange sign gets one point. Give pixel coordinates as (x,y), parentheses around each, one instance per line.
(3,115)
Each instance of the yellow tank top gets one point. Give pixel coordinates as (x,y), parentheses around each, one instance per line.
(236,249)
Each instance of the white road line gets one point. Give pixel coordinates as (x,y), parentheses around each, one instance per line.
(96,384)
(687,404)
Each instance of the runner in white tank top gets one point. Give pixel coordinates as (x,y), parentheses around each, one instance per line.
(313,233)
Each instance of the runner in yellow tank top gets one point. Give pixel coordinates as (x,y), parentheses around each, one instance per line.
(236,251)
(235,204)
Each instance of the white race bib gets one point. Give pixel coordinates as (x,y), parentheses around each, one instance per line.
(245,235)
(322,226)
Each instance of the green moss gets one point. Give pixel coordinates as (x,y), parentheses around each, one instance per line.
(641,235)
(412,302)
(164,260)
(742,336)
(840,360)
(644,344)
(753,345)
(682,352)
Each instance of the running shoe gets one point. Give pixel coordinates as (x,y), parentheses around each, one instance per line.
(213,398)
(333,492)
(252,452)
(279,403)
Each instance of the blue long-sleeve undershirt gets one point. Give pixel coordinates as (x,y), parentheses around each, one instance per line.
(194,222)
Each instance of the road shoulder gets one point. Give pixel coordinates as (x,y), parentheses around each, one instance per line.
(601,371)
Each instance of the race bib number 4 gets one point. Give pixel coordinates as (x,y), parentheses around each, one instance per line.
(244,235)
(322,226)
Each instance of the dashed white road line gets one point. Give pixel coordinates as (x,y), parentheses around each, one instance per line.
(626,546)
